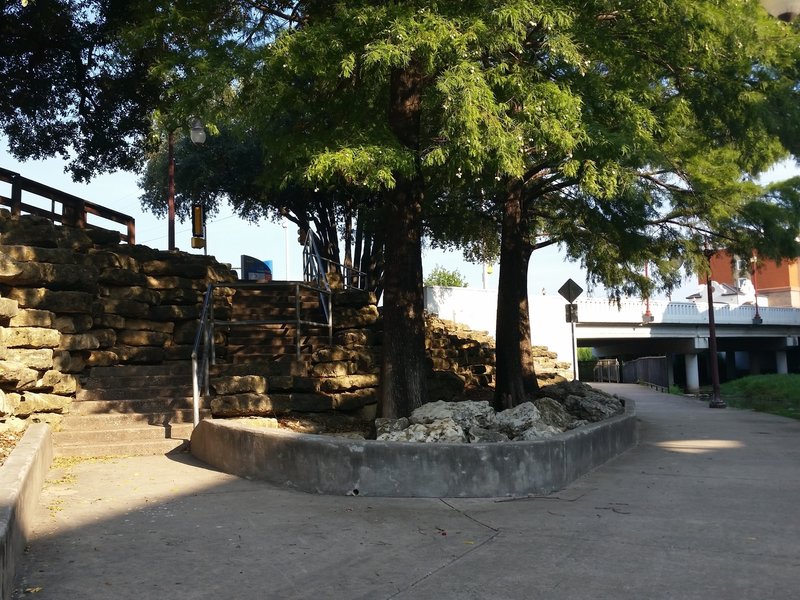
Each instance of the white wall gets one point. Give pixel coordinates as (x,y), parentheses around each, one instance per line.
(477,308)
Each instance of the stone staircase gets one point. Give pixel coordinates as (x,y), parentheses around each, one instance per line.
(127,410)
(248,343)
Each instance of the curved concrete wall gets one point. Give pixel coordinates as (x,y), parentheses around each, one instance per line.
(331,465)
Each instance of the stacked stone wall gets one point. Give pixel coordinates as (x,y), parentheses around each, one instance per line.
(72,299)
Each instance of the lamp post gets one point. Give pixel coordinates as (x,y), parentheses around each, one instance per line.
(757,320)
(716,400)
(785,10)
(198,135)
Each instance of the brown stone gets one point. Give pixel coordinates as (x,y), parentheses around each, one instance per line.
(356,317)
(181,296)
(302,402)
(72,238)
(8,308)
(110,321)
(40,359)
(348,383)
(146,325)
(331,369)
(58,383)
(178,352)
(6,406)
(126,308)
(17,375)
(139,354)
(121,277)
(29,230)
(356,298)
(101,358)
(105,259)
(79,341)
(28,253)
(30,317)
(136,337)
(237,384)
(173,312)
(73,323)
(29,337)
(135,293)
(10,270)
(242,405)
(173,283)
(32,402)
(356,399)
(55,301)
(67,362)
(350,338)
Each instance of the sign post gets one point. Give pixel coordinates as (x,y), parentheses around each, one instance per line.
(570,292)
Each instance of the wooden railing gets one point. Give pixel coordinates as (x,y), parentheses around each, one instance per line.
(74,210)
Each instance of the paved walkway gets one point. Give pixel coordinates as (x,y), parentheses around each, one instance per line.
(705,507)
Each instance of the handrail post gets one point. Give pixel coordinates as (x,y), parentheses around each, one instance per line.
(297,317)
(16,196)
(195,393)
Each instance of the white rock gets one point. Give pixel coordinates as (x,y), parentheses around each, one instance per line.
(467,413)
(442,431)
(479,435)
(537,433)
(514,421)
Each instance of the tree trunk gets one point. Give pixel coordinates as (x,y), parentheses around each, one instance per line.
(404,369)
(515,374)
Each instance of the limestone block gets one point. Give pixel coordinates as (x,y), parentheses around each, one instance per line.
(384,425)
(10,269)
(105,337)
(171,312)
(514,421)
(29,337)
(332,355)
(13,424)
(40,359)
(594,406)
(68,362)
(173,283)
(6,406)
(54,276)
(356,317)
(175,266)
(184,333)
(350,338)
(467,413)
(331,369)
(242,405)
(16,375)
(54,301)
(368,360)
(32,402)
(355,399)
(138,337)
(237,384)
(138,354)
(181,296)
(349,383)
(29,253)
(121,277)
(73,323)
(103,237)
(8,308)
(357,298)
(79,341)
(103,258)
(445,385)
(52,419)
(30,317)
(136,293)
(301,402)
(125,308)
(72,238)
(58,383)
(146,325)
(29,230)
(110,321)
(102,358)
(178,352)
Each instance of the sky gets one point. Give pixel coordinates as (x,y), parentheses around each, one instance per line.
(228,237)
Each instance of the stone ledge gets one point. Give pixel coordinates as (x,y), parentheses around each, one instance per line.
(329,465)
(21,480)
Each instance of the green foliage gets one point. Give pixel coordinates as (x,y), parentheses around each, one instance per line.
(440,276)
(776,394)
(585,354)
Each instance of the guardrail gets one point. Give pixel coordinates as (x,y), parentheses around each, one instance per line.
(607,370)
(650,370)
(74,210)
(596,310)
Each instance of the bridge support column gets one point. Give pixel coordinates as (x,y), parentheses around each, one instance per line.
(782,365)
(755,363)
(730,365)
(692,374)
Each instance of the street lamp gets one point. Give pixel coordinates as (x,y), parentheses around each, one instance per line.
(757,320)
(716,400)
(785,10)
(198,135)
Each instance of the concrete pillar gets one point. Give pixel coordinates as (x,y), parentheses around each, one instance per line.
(755,363)
(730,365)
(782,366)
(692,374)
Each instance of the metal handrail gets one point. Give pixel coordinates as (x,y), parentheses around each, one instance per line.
(73,209)
(314,271)
(204,350)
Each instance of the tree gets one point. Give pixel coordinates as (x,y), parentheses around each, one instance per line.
(444,277)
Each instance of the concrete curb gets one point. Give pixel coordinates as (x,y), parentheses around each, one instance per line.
(330,465)
(21,480)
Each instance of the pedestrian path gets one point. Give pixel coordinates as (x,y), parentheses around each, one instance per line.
(705,507)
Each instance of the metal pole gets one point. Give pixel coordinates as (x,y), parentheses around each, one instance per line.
(286,249)
(574,353)
(716,400)
(171,191)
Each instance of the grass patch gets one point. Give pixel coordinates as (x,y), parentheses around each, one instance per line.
(774,394)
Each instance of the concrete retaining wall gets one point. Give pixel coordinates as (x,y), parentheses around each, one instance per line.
(21,480)
(330,465)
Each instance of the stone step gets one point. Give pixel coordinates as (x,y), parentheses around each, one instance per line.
(141,448)
(181,431)
(97,421)
(94,407)
(164,394)
(183,379)
(175,368)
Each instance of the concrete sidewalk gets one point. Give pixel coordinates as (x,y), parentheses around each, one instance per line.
(705,507)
